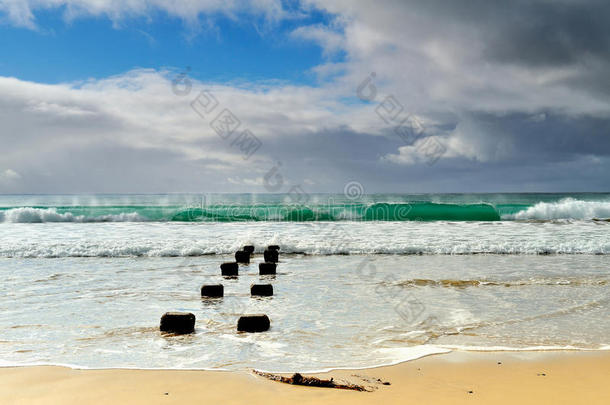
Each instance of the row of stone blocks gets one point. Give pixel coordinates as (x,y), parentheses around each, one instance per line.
(182,323)
(217,290)
(271,254)
(231,269)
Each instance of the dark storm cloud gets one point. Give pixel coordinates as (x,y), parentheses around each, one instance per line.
(551,34)
(547,152)
(539,34)
(595,79)
(548,135)
(530,32)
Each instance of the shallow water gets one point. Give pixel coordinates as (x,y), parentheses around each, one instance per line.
(327,311)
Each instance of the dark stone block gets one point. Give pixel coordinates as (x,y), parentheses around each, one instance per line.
(178,322)
(253,323)
(229,269)
(271,256)
(212,291)
(273,247)
(249,249)
(262,290)
(266,268)
(242,256)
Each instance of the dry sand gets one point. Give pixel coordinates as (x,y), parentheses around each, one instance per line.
(458,377)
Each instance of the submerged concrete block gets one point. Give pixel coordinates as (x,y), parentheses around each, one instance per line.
(266,268)
(212,290)
(229,269)
(253,323)
(273,247)
(241,256)
(178,322)
(249,249)
(261,290)
(271,256)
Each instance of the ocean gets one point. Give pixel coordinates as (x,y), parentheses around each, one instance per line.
(362,281)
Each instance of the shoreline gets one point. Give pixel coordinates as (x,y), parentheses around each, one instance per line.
(442,351)
(488,377)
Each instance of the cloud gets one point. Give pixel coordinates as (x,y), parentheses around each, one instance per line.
(9,178)
(517,139)
(258,181)
(472,139)
(330,40)
(466,55)
(72,135)
(22,12)
(552,35)
(517,92)
(9,175)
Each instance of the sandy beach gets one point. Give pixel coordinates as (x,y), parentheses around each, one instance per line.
(458,377)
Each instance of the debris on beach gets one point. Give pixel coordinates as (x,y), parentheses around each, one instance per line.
(298,379)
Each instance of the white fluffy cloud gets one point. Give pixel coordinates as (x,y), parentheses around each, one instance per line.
(9,175)
(471,140)
(144,110)
(330,40)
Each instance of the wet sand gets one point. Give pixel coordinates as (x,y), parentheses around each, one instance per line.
(458,377)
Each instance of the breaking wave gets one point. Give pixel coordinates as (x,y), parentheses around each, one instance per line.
(568,208)
(40,215)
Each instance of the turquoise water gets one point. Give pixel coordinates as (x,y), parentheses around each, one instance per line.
(316,207)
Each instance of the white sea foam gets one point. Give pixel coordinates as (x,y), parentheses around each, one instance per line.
(602,347)
(319,239)
(393,356)
(567,208)
(110,249)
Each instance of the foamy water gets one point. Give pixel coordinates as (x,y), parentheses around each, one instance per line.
(327,311)
(51,240)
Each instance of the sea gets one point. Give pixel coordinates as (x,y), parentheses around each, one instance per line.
(362,281)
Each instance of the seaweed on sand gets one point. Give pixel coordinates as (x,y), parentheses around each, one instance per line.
(298,379)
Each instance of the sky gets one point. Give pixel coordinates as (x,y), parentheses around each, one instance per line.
(151,96)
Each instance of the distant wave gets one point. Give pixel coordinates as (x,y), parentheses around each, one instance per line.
(39,215)
(568,208)
(415,211)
